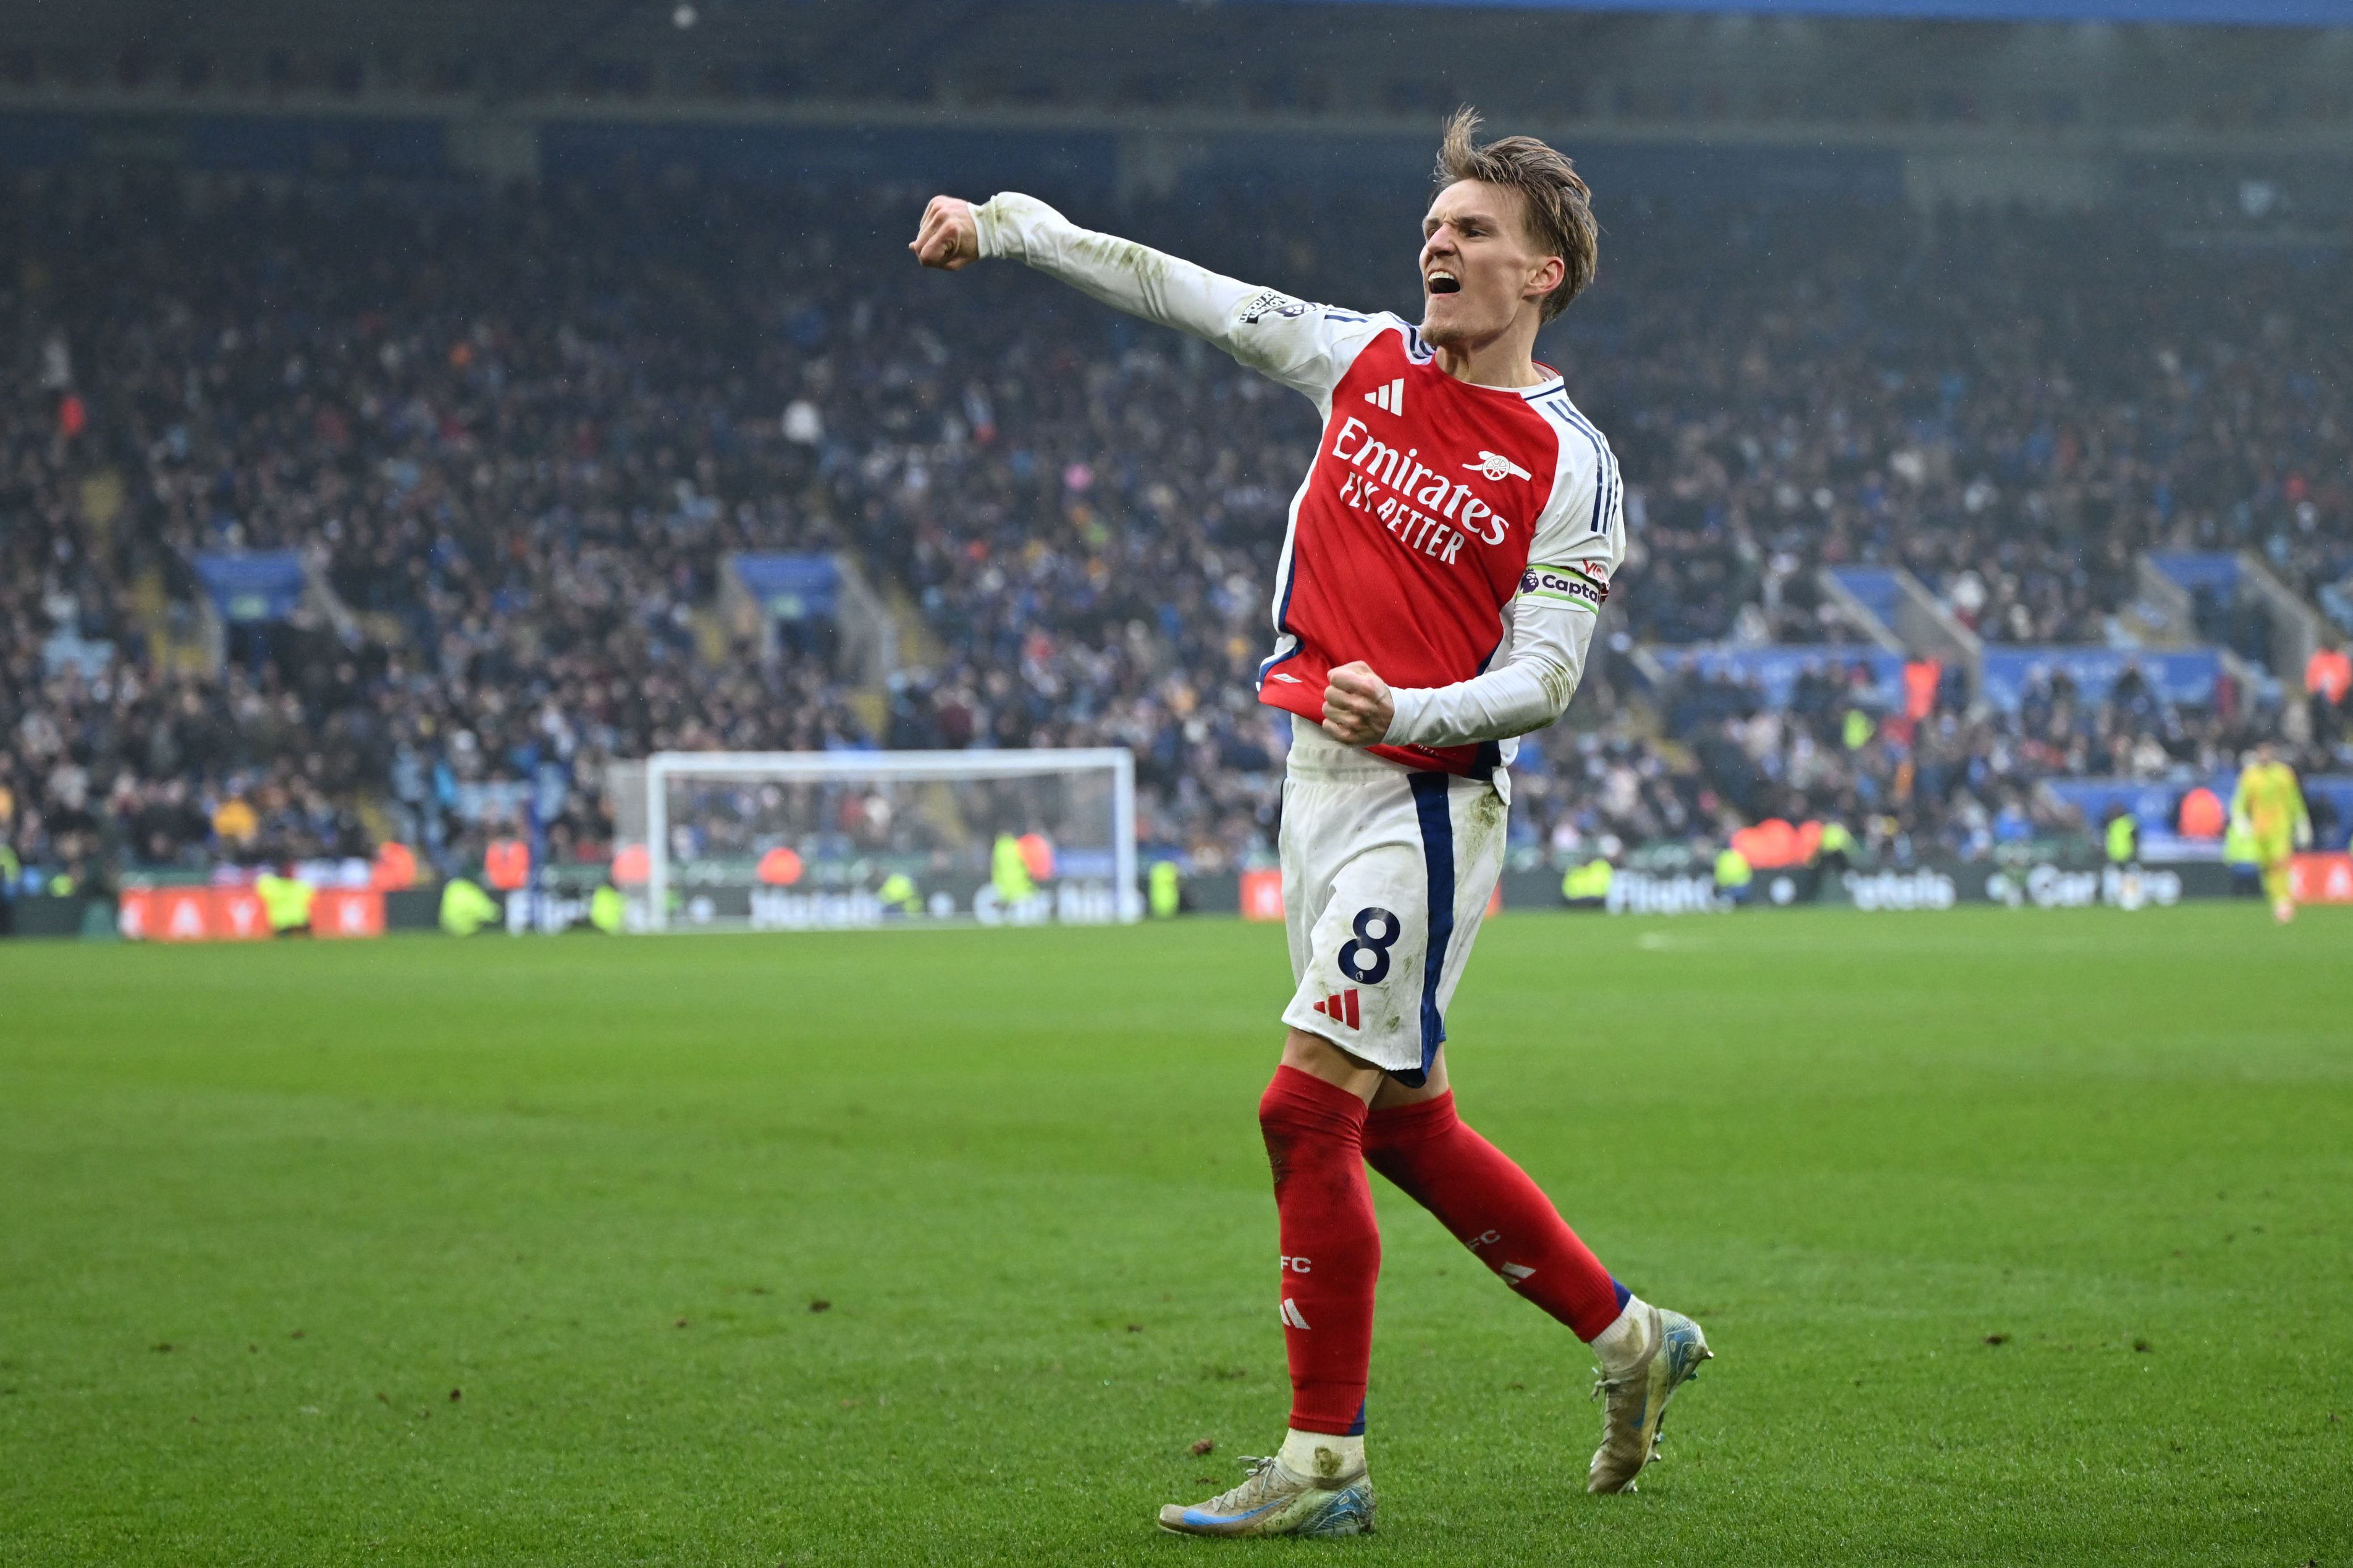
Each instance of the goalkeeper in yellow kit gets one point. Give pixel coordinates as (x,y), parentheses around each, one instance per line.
(2268,805)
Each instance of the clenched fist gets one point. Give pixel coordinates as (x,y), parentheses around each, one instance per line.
(949,238)
(1357,707)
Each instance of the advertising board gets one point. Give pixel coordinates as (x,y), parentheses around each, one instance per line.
(2321,879)
(236,914)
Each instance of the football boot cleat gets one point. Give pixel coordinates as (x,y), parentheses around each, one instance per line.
(1635,1406)
(1271,1501)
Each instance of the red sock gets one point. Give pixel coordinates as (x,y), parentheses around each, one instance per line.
(1331,1246)
(1493,1209)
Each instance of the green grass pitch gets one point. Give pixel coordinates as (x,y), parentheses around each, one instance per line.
(513,1251)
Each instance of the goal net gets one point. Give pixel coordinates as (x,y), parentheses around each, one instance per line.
(823,840)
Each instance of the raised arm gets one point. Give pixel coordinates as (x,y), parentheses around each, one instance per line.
(1302,345)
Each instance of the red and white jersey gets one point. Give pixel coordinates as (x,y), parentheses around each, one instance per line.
(1432,506)
(1458,538)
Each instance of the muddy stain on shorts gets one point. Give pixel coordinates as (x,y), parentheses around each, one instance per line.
(1486,815)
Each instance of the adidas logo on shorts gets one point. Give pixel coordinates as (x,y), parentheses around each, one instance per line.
(1341,1008)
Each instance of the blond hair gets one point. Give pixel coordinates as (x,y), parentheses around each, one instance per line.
(1559,206)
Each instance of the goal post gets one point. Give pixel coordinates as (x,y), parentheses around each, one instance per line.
(802,840)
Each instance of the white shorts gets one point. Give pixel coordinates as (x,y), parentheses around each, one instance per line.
(1385,877)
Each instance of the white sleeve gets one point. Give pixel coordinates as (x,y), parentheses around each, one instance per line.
(1306,347)
(1579,542)
(1528,691)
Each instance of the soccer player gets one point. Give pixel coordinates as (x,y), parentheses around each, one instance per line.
(1448,553)
(2269,805)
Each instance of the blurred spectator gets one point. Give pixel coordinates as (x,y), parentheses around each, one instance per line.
(2327,677)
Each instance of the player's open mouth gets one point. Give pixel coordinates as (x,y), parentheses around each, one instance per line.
(1444,283)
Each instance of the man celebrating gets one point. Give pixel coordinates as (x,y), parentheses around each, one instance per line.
(1460,507)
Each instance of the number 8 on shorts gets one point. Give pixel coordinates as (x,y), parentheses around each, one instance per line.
(1385,876)
(1366,959)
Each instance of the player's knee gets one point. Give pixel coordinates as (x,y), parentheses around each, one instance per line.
(1319,1057)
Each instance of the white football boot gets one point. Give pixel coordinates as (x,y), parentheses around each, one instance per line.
(1273,1500)
(1636,1409)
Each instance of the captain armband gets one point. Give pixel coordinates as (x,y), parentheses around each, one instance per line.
(1571,584)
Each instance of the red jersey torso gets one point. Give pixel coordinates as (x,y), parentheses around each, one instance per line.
(1411,533)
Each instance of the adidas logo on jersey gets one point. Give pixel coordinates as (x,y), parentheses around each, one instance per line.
(1292,1316)
(1341,1008)
(1391,398)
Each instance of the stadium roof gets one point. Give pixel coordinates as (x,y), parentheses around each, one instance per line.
(1935,78)
(2259,12)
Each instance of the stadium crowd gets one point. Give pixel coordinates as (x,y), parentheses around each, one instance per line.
(518,435)
(1957,778)
(2011,408)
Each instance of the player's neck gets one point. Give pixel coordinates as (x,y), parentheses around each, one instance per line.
(1507,360)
